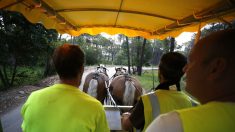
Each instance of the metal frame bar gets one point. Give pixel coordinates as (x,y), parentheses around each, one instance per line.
(116,10)
(12,4)
(50,10)
(117,26)
(218,10)
(223,8)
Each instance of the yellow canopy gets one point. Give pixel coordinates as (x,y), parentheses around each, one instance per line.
(146,18)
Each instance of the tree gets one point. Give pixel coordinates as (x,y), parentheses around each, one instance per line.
(172,44)
(128,55)
(98,49)
(22,44)
(208,29)
(139,70)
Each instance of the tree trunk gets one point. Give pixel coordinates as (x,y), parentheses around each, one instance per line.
(128,55)
(142,57)
(172,46)
(5,76)
(60,37)
(138,56)
(47,67)
(112,53)
(71,39)
(3,80)
(14,73)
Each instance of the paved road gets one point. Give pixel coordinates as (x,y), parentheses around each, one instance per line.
(11,121)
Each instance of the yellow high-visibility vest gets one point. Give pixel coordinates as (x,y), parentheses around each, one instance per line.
(163,101)
(211,117)
(63,108)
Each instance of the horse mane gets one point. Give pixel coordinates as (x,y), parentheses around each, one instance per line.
(129,93)
(92,89)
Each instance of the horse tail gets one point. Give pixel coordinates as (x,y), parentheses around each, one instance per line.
(92,89)
(129,93)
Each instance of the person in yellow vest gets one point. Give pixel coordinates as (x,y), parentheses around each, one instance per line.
(210,77)
(63,107)
(167,95)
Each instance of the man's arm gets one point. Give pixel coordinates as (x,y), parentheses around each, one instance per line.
(169,122)
(126,123)
(135,118)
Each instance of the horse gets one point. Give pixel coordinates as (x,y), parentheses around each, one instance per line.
(124,88)
(96,82)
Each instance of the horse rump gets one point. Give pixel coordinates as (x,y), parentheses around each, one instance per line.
(129,93)
(95,85)
(92,89)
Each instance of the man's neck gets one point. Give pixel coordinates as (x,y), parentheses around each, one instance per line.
(72,82)
(226,98)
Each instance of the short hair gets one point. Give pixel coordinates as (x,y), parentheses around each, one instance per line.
(68,60)
(171,66)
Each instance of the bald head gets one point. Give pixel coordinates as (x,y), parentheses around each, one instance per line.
(219,44)
(210,73)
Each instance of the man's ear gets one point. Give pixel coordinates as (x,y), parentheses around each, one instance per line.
(216,68)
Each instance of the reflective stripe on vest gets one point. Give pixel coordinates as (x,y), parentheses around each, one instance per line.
(155,105)
(193,103)
(163,101)
(151,108)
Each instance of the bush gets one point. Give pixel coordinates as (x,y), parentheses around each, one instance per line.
(25,76)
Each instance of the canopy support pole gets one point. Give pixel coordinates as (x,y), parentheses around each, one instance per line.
(198,34)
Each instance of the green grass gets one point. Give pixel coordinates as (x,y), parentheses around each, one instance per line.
(28,75)
(146,79)
(25,76)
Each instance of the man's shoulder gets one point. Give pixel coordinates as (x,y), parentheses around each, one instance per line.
(214,106)
(89,99)
(156,93)
(161,123)
(37,92)
(148,94)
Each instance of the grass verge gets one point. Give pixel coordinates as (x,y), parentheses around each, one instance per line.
(146,79)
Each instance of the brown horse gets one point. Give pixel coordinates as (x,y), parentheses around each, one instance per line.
(125,89)
(95,84)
